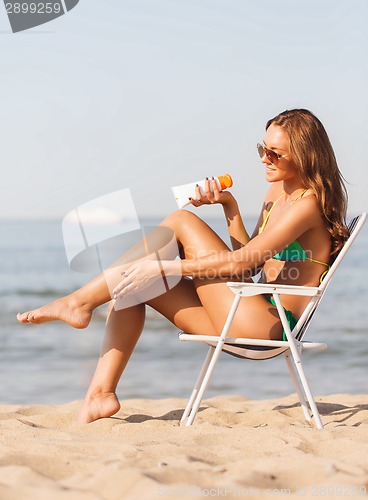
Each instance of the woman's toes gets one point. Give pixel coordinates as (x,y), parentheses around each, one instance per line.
(22,317)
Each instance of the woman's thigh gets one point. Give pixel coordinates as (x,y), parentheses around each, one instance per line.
(194,236)
(201,307)
(255,316)
(182,306)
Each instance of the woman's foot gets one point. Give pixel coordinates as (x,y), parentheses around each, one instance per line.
(66,309)
(101,405)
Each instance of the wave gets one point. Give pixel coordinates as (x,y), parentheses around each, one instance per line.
(45,292)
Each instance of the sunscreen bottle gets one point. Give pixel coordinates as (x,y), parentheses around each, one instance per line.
(184,192)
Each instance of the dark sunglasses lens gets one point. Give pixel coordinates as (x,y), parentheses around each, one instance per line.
(272,156)
(261,150)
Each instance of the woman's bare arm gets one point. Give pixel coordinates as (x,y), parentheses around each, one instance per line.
(237,232)
(298,219)
(212,195)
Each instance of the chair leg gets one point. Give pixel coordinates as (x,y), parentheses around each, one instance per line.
(297,362)
(205,380)
(308,393)
(298,387)
(198,383)
(207,373)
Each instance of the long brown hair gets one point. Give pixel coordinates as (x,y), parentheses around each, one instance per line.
(312,153)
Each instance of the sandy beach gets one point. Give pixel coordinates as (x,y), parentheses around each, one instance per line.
(235,448)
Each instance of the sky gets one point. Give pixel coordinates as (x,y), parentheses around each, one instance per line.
(149,94)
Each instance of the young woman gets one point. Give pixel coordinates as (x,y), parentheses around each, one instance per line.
(300,229)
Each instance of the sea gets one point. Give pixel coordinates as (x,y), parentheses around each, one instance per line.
(53,363)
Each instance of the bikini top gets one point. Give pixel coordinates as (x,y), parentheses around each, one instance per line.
(294,251)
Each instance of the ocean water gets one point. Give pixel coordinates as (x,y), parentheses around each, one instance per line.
(53,363)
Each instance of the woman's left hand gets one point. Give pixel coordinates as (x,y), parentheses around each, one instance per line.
(137,276)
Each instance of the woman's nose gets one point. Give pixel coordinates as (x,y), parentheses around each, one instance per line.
(265,158)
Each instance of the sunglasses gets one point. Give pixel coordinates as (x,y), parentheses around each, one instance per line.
(271,155)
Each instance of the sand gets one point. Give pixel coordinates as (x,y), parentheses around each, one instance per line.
(236,448)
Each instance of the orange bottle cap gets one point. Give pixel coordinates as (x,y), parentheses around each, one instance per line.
(225,181)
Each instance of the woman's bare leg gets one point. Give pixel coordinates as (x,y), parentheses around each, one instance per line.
(180,305)
(76,309)
(196,306)
(123,329)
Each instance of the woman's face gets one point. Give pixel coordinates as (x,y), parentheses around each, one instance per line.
(279,167)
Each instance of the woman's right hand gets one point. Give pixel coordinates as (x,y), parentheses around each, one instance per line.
(212,195)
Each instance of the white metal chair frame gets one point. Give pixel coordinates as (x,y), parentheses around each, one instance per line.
(266,349)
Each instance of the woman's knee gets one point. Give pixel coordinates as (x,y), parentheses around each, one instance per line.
(182,222)
(179,217)
(195,237)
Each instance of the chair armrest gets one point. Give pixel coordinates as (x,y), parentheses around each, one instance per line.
(249,289)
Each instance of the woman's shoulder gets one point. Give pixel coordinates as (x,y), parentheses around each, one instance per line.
(307,206)
(308,200)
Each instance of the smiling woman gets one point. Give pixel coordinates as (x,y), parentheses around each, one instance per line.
(299,231)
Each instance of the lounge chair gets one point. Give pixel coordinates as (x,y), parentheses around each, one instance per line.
(265,349)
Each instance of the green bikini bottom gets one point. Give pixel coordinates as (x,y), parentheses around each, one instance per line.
(289,316)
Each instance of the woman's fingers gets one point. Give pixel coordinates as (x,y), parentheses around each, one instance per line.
(216,190)
(208,189)
(198,194)
(122,285)
(137,277)
(209,194)
(118,289)
(124,288)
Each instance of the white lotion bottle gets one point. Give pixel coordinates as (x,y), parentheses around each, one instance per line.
(185,191)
